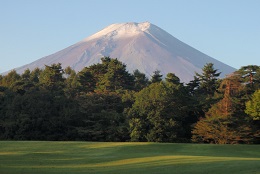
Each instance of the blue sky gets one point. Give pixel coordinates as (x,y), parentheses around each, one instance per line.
(227,30)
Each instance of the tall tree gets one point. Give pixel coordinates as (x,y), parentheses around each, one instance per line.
(225,122)
(172,79)
(24,84)
(10,78)
(158,114)
(208,85)
(103,118)
(116,77)
(253,106)
(193,86)
(52,77)
(86,80)
(35,75)
(71,82)
(156,77)
(250,76)
(141,81)
(208,79)
(26,75)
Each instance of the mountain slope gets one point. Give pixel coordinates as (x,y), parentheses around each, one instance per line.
(142,46)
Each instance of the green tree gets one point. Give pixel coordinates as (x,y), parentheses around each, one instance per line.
(208,85)
(35,75)
(103,118)
(10,78)
(39,115)
(253,106)
(26,75)
(250,76)
(116,77)
(6,98)
(156,77)
(193,86)
(140,81)
(172,79)
(52,77)
(208,79)
(71,82)
(86,80)
(157,114)
(24,84)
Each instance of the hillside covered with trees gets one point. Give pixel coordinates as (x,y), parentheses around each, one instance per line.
(104,102)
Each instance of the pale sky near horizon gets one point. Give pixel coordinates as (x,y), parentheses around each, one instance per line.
(227,30)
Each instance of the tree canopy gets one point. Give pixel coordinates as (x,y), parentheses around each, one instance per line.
(104,102)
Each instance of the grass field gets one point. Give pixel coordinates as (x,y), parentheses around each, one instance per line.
(124,158)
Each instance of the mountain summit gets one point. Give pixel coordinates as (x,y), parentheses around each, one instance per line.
(141,46)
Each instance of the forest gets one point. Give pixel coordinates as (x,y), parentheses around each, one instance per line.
(104,102)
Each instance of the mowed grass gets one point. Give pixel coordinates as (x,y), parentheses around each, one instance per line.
(123,158)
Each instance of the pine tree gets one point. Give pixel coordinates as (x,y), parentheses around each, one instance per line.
(141,81)
(208,79)
(116,77)
(225,122)
(86,80)
(10,78)
(52,77)
(156,77)
(172,78)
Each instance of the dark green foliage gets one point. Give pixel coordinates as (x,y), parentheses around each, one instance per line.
(86,81)
(204,87)
(116,76)
(71,83)
(38,116)
(103,118)
(156,77)
(10,78)
(104,102)
(52,77)
(193,86)
(172,78)
(35,74)
(208,79)
(141,81)
(250,76)
(158,114)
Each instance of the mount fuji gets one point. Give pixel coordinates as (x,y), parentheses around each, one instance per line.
(141,46)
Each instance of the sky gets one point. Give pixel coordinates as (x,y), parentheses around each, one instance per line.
(227,30)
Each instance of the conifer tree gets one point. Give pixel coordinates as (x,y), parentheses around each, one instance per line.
(156,77)
(86,80)
(52,77)
(225,122)
(116,76)
(172,78)
(141,81)
(208,79)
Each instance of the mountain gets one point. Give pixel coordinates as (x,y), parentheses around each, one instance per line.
(141,46)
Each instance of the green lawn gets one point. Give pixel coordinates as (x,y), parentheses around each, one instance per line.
(124,158)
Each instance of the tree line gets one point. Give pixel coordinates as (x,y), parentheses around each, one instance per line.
(104,102)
